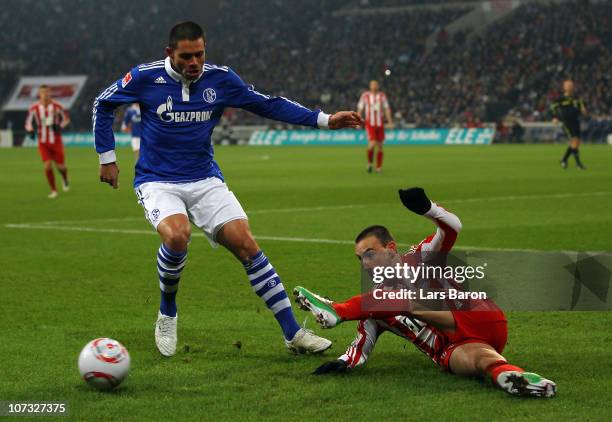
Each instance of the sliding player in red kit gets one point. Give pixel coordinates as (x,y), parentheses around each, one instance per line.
(372,105)
(465,342)
(50,118)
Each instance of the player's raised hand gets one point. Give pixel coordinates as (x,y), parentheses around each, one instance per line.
(345,119)
(332,367)
(415,200)
(109,173)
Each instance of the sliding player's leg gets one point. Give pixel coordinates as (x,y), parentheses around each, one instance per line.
(481,359)
(367,305)
(476,347)
(166,212)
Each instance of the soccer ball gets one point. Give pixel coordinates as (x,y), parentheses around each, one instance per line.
(104,363)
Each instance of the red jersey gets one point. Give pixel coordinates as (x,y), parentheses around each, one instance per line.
(374,105)
(433,342)
(45,117)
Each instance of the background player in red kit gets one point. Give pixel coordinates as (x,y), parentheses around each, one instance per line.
(465,342)
(50,118)
(371,106)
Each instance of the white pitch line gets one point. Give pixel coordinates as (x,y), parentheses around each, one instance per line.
(519,197)
(264,211)
(279,238)
(153,232)
(351,206)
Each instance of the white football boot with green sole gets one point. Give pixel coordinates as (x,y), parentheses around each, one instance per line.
(526,384)
(320,307)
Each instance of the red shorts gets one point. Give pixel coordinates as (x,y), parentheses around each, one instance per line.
(488,327)
(375,133)
(52,152)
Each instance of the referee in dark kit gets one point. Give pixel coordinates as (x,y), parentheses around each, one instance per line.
(567,109)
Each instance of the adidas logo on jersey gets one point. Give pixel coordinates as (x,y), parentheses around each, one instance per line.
(160,80)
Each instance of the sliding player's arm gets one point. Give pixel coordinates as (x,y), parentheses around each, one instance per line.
(358,352)
(123,91)
(448,224)
(242,95)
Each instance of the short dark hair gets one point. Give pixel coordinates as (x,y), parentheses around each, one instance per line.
(43,86)
(185,31)
(380,232)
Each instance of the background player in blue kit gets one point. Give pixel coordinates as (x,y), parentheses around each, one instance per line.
(131,124)
(177,180)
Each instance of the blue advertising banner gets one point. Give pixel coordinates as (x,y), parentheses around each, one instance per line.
(477,136)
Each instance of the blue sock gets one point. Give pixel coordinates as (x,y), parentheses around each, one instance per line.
(268,286)
(170,265)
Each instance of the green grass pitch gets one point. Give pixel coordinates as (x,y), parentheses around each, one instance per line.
(82,266)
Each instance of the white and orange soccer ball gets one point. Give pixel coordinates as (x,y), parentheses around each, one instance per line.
(104,363)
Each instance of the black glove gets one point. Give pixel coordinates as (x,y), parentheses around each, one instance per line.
(332,367)
(415,200)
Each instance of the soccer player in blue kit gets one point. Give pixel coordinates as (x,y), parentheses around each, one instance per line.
(131,125)
(177,180)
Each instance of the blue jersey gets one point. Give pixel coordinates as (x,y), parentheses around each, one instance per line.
(178,117)
(131,119)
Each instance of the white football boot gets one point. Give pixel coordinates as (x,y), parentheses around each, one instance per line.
(52,195)
(526,384)
(306,341)
(319,306)
(165,334)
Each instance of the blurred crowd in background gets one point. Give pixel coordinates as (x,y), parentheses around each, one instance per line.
(307,51)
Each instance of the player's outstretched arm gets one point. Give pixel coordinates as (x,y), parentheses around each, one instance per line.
(345,120)
(242,95)
(415,200)
(357,353)
(448,224)
(332,367)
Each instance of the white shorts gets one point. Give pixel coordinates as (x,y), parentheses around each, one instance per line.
(208,204)
(135,143)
